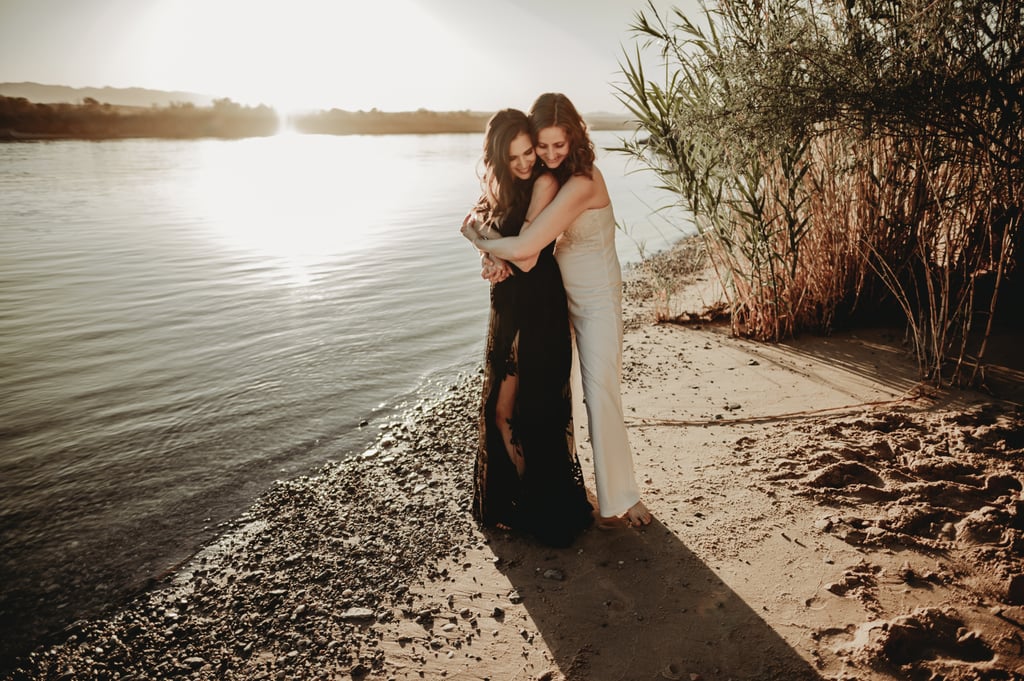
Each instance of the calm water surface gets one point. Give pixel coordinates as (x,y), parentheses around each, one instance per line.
(183,322)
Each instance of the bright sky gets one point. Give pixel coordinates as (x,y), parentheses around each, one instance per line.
(389,54)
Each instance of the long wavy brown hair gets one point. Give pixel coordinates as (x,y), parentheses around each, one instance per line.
(501,189)
(553,109)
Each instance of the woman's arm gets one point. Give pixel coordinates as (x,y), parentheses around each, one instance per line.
(492,268)
(545,189)
(569,203)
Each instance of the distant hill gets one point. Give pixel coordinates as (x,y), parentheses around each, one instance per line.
(132,96)
(141,97)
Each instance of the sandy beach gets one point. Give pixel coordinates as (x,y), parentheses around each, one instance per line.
(820,513)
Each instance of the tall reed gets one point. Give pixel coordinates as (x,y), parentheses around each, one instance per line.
(814,210)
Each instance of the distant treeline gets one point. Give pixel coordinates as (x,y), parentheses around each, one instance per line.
(421,122)
(373,122)
(22,119)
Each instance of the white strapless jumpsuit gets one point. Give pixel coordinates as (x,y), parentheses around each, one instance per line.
(593,284)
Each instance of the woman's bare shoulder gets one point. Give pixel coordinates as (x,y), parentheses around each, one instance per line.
(545,182)
(591,190)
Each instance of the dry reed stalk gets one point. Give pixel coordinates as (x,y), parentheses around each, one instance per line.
(811,207)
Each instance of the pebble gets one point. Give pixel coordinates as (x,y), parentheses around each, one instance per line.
(309,570)
(671,672)
(341,548)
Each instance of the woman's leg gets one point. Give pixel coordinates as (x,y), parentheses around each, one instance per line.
(505,409)
(599,342)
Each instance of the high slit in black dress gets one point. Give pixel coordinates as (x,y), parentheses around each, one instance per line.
(528,335)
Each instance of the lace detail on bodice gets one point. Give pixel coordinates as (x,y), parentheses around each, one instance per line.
(591,230)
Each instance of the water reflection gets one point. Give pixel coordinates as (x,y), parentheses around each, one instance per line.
(286,198)
(185,321)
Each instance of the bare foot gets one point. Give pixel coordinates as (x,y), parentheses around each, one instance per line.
(614,522)
(638,515)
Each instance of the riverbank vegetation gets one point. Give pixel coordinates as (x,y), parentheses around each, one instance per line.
(844,161)
(420,122)
(374,122)
(22,119)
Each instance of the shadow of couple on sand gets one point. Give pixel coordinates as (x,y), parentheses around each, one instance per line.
(637,605)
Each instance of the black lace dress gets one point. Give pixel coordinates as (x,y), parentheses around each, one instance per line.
(528,335)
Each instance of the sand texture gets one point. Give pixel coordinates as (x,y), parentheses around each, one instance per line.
(819,514)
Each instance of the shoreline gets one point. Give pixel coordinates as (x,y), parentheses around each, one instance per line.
(800,499)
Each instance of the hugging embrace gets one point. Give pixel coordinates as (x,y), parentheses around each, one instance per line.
(546,232)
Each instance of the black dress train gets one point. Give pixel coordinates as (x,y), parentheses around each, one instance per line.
(550,501)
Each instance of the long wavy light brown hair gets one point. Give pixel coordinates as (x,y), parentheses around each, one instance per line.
(501,189)
(553,109)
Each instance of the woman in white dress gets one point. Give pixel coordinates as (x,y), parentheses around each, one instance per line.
(582,219)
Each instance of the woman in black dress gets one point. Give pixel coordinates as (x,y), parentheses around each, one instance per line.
(527,476)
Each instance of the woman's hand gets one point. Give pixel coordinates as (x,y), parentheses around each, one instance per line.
(494,270)
(471,228)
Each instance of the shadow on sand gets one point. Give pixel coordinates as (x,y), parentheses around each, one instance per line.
(628,605)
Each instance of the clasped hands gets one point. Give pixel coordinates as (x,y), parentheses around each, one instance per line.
(493,269)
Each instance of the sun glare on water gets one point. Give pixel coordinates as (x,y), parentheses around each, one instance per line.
(300,201)
(292,201)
